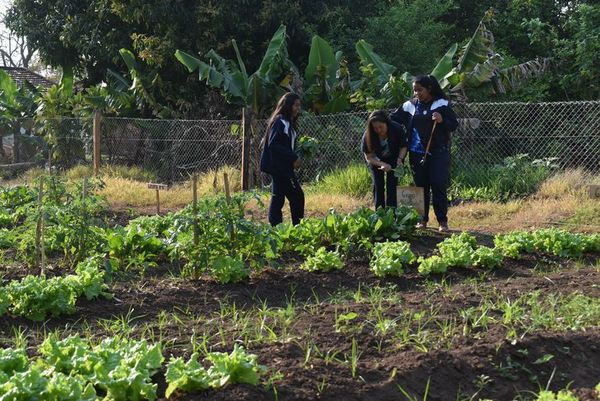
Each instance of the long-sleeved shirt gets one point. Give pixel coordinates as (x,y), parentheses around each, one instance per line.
(278,153)
(416,117)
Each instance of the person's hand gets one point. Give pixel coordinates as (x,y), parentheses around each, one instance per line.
(297,164)
(385,167)
(437,117)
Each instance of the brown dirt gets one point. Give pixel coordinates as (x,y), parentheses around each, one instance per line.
(507,369)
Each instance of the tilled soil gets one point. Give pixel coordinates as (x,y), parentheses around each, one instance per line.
(479,365)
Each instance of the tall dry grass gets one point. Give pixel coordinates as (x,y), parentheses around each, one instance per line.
(562,200)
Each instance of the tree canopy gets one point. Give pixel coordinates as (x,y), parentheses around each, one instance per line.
(412,35)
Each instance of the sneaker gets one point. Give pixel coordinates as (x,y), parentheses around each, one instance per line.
(421,224)
(443,228)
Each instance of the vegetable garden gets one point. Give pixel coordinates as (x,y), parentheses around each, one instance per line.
(212,303)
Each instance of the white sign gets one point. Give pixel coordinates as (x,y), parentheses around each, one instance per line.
(412,196)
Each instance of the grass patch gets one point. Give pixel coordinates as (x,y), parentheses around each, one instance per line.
(354,181)
(516,177)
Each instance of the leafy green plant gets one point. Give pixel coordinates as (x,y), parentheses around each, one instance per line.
(34,297)
(562,395)
(227,269)
(323,260)
(458,249)
(133,247)
(390,258)
(308,147)
(186,376)
(554,241)
(487,257)
(122,368)
(513,244)
(235,367)
(433,264)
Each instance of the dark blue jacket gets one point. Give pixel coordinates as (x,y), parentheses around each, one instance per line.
(278,154)
(396,141)
(417,116)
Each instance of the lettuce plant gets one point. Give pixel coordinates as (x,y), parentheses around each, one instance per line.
(323,260)
(389,258)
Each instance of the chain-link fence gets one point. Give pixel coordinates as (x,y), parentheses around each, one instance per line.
(563,134)
(172,149)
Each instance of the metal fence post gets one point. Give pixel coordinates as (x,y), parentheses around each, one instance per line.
(96,140)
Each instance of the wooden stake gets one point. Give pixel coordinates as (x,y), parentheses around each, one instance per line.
(195,208)
(96,141)
(157,187)
(245,149)
(157,201)
(39,232)
(84,189)
(226,183)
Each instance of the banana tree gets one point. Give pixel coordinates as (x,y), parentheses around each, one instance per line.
(327,79)
(54,117)
(143,86)
(17,108)
(479,67)
(258,91)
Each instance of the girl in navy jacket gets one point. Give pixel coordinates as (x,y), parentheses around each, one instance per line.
(418,115)
(279,159)
(383,145)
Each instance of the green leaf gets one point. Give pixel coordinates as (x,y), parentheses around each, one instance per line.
(478,47)
(543,359)
(444,66)
(321,54)
(368,56)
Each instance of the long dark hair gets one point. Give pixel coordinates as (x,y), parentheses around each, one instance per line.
(283,109)
(380,116)
(432,85)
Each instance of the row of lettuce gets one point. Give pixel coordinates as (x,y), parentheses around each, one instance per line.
(124,369)
(116,369)
(220,241)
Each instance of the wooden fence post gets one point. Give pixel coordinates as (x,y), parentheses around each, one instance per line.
(39,231)
(227,190)
(246,134)
(196,237)
(96,140)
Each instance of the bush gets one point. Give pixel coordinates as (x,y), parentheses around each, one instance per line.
(518,176)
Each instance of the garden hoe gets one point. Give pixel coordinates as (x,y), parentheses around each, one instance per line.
(424,159)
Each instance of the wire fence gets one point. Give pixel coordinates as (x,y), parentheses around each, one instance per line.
(563,135)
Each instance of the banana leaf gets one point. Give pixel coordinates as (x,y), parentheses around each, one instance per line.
(321,54)
(368,56)
(444,66)
(513,77)
(478,48)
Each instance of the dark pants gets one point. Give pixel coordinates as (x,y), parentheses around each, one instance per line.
(434,177)
(285,187)
(384,187)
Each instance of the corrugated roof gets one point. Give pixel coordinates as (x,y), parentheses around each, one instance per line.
(19,75)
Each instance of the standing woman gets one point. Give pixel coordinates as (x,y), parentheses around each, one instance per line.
(279,159)
(431,168)
(384,145)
